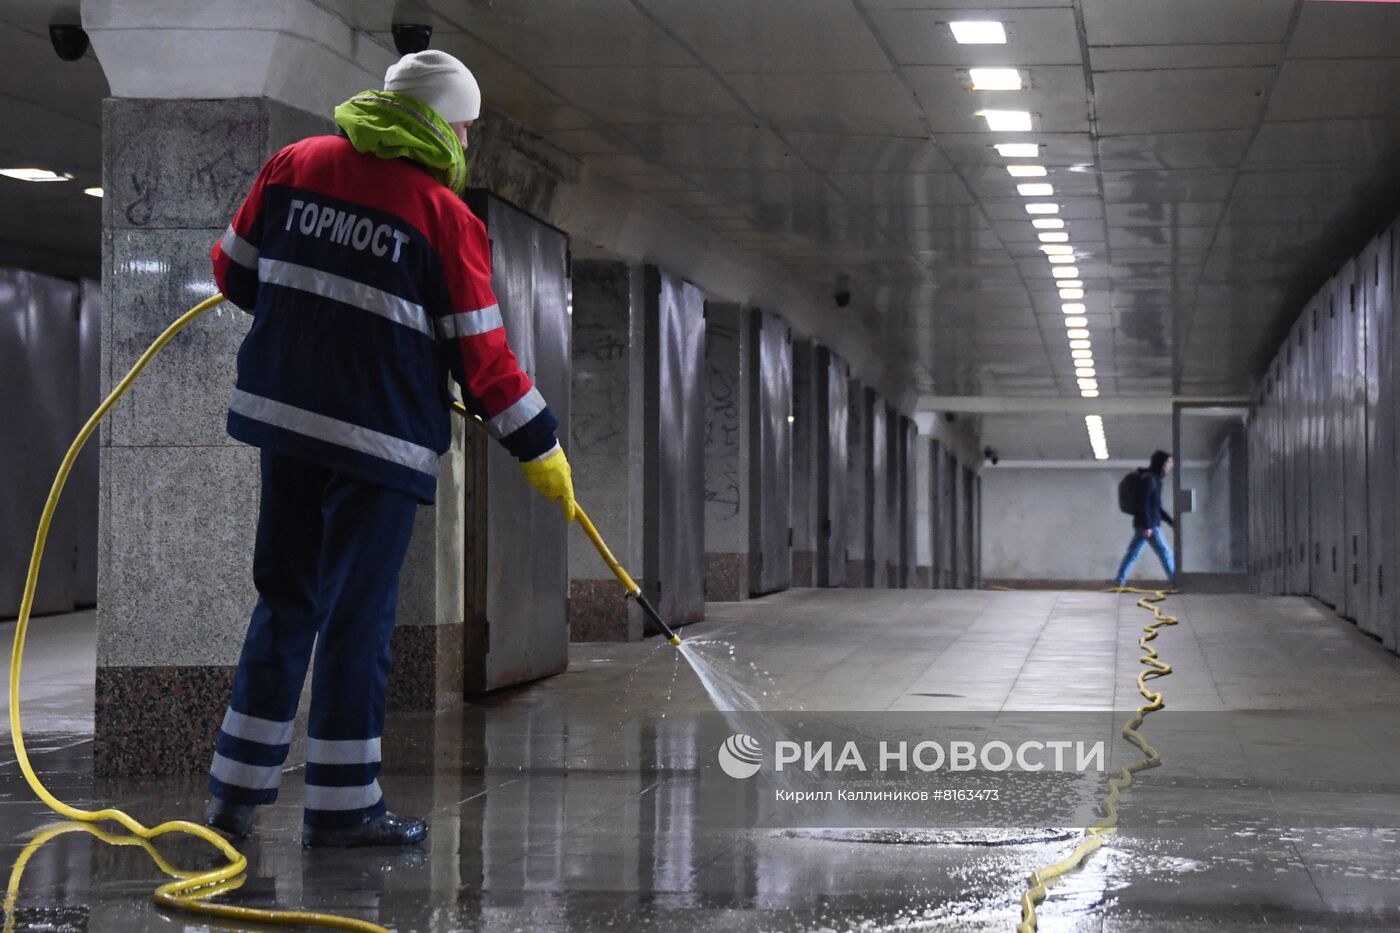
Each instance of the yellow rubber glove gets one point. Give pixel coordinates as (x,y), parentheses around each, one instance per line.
(553,479)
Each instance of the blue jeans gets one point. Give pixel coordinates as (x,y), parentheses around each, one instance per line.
(1159,544)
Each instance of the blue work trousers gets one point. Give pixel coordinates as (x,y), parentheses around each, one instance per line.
(1159,545)
(326,566)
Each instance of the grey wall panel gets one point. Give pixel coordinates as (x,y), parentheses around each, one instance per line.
(771,472)
(948,512)
(877,541)
(967,519)
(832,425)
(805,463)
(937,515)
(957,503)
(517,544)
(674,515)
(1352,360)
(82,484)
(894,499)
(909,502)
(1383,341)
(857,483)
(39,405)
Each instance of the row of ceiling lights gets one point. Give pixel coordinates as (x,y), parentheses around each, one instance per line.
(45,175)
(1050,229)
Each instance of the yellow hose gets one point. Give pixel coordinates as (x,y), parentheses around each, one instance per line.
(186,892)
(1094,835)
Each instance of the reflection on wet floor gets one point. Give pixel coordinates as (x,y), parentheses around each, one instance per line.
(574,805)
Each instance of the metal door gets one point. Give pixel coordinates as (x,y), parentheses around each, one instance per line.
(949,510)
(673,465)
(1384,336)
(770,458)
(1355,564)
(857,482)
(833,419)
(516,554)
(909,518)
(894,498)
(1298,479)
(877,542)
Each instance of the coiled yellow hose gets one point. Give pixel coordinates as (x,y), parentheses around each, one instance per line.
(1094,835)
(188,892)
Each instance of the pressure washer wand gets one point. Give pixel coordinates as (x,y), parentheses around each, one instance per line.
(633,590)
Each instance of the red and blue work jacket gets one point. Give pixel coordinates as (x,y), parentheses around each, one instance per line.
(369,282)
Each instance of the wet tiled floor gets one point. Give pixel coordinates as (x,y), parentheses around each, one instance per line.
(574,804)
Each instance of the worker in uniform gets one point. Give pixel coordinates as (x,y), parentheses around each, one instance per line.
(369,282)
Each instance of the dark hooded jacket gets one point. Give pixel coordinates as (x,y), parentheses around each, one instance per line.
(1151,514)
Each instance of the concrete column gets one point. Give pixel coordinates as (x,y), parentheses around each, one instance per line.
(857,483)
(924,512)
(727,412)
(605,446)
(178,498)
(805,463)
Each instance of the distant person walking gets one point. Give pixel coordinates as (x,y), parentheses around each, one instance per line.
(1140,494)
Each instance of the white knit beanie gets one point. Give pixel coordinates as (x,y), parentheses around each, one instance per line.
(438,80)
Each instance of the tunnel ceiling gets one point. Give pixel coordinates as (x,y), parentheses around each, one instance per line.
(1212,159)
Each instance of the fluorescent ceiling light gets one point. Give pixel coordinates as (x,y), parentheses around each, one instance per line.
(1072,307)
(1006,121)
(1057,249)
(1071,293)
(1060,258)
(1035,189)
(1060,237)
(1085,371)
(995,79)
(95,192)
(34,174)
(1088,383)
(1026,171)
(1082,354)
(1076,322)
(1094,393)
(978,32)
(1042,207)
(1048,223)
(1065,272)
(1080,345)
(1077,333)
(1018,150)
(1072,283)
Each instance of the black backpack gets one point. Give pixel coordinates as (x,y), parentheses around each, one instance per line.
(1132,490)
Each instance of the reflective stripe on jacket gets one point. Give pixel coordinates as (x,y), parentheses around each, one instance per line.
(369,282)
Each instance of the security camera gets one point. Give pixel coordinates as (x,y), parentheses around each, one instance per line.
(992,456)
(69,41)
(411,37)
(842,294)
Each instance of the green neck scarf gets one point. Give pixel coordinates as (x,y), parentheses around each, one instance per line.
(395,126)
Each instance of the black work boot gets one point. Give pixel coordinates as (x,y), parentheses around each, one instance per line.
(384,830)
(231,819)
